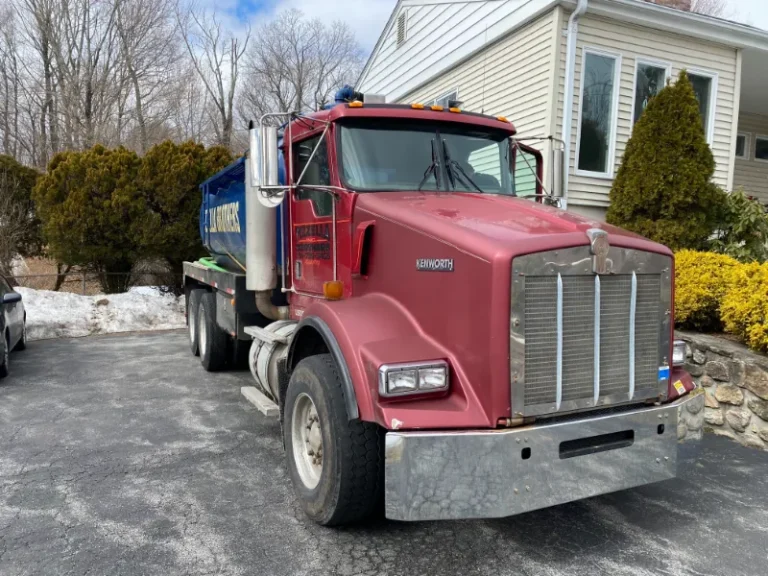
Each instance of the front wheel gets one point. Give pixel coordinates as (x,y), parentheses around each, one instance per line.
(6,358)
(336,465)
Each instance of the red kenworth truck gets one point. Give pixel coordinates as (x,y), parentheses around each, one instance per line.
(432,334)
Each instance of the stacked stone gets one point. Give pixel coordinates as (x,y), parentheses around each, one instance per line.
(735,384)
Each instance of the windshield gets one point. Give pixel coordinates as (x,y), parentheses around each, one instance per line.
(385,155)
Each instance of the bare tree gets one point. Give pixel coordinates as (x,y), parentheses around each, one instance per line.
(717,8)
(215,55)
(297,64)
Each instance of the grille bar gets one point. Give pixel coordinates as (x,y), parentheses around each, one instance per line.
(632,308)
(596,385)
(559,376)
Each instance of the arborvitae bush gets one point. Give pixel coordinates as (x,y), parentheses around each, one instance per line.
(169,177)
(93,213)
(663,189)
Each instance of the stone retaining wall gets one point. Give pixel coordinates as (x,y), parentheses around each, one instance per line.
(735,384)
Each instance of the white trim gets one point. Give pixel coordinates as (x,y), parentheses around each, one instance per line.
(734,121)
(747,147)
(611,159)
(760,137)
(642,60)
(712,99)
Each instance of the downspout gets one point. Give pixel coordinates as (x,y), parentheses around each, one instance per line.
(570,65)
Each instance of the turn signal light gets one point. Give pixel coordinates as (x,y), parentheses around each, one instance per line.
(356,104)
(333,289)
(417,106)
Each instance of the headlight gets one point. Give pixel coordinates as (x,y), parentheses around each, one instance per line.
(413,378)
(678,353)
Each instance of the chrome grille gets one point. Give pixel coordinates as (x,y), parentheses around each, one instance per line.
(590,374)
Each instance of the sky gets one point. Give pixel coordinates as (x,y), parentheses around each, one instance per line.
(368,17)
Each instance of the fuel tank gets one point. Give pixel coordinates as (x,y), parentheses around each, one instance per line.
(223,217)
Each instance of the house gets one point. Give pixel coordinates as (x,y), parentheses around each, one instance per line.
(581,72)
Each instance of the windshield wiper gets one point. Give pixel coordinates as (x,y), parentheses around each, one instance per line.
(433,168)
(455,170)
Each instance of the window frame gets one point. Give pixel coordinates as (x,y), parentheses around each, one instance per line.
(747,147)
(643,61)
(713,87)
(760,137)
(611,168)
(434,101)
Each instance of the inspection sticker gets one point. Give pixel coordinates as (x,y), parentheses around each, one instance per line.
(679,387)
(663,372)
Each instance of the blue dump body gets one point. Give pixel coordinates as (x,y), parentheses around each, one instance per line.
(222,216)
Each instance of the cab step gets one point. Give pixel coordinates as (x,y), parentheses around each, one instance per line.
(262,403)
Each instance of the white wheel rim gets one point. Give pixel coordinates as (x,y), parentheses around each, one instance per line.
(307,441)
(192,323)
(203,331)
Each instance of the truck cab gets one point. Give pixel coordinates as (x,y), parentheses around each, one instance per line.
(431,331)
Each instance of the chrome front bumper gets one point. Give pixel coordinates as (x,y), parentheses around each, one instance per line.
(491,474)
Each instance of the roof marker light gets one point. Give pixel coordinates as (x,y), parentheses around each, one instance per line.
(356,104)
(417,106)
(454,110)
(502,119)
(437,108)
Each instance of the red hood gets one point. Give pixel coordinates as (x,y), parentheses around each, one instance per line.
(485,224)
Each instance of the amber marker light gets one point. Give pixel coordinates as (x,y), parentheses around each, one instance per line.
(356,104)
(417,106)
(454,110)
(333,289)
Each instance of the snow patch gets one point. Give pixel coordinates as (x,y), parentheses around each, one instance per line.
(63,315)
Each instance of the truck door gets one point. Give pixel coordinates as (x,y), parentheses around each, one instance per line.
(312,217)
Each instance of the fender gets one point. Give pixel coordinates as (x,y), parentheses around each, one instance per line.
(369,331)
(313,322)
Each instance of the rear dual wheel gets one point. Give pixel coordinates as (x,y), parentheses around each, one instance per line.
(336,465)
(193,305)
(212,340)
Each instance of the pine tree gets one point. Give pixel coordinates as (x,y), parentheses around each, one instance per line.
(663,189)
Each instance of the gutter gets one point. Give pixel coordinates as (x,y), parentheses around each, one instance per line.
(570,65)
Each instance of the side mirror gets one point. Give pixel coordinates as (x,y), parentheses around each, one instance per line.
(263,160)
(11,297)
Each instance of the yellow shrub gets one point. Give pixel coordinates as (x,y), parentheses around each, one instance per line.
(744,309)
(701,281)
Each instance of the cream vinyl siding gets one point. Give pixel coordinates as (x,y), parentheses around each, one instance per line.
(751,174)
(511,78)
(632,43)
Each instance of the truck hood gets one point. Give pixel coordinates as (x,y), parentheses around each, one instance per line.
(491,225)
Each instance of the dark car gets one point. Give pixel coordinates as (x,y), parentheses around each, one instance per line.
(13,324)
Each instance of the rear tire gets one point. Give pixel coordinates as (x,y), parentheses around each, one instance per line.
(345,484)
(193,305)
(212,340)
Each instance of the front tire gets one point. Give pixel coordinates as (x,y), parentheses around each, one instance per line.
(22,343)
(336,465)
(193,305)
(212,340)
(6,359)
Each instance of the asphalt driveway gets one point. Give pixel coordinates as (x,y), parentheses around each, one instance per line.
(120,455)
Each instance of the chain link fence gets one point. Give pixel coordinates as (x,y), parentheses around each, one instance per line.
(92,283)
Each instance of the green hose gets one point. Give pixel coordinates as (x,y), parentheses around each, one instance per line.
(209,263)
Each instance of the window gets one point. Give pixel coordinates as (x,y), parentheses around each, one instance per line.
(389,155)
(649,79)
(445,100)
(317,174)
(703,85)
(594,152)
(742,146)
(402,27)
(761,148)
